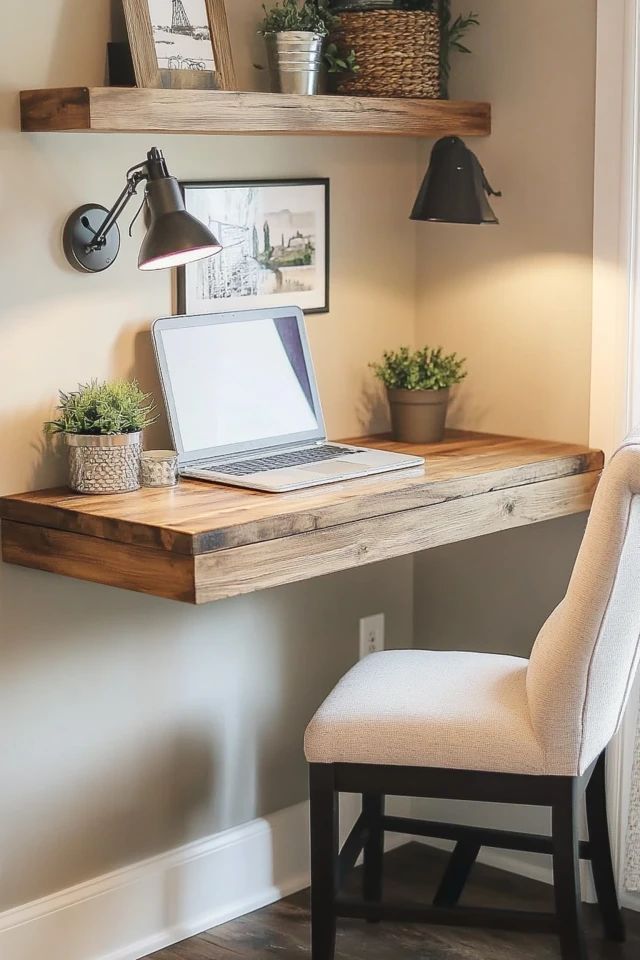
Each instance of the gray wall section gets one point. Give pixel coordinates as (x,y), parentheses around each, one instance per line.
(130,724)
(493,594)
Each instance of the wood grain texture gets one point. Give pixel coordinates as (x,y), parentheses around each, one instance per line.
(291,559)
(143,52)
(222,541)
(141,569)
(197,517)
(55,109)
(122,109)
(225,70)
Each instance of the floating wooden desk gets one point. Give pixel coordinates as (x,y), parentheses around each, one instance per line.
(201,542)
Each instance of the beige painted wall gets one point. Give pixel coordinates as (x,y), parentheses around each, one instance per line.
(516,300)
(129,724)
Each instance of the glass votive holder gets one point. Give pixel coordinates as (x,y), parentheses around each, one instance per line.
(159,468)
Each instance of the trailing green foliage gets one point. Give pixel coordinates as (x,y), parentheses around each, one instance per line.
(425,369)
(339,62)
(103,408)
(453,32)
(308,15)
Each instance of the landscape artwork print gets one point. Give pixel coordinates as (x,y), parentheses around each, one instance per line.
(182,34)
(275,246)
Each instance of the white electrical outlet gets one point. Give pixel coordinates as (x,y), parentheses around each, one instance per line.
(371,635)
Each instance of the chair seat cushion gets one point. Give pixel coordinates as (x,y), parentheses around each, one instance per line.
(421,708)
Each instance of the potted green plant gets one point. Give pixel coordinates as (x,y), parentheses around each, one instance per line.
(102,424)
(295,32)
(418,384)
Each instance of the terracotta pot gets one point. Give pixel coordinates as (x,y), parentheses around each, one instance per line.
(418,416)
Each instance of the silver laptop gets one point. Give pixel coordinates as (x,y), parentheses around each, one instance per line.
(243,403)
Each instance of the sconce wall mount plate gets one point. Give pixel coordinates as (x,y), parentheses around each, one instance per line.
(78,234)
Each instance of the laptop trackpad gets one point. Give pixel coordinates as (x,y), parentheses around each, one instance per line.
(331,468)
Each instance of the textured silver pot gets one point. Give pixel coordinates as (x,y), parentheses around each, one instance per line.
(295,59)
(104,464)
(418,416)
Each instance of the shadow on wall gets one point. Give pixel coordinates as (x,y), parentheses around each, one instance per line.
(145,370)
(70,13)
(130,725)
(46,455)
(492,594)
(373,410)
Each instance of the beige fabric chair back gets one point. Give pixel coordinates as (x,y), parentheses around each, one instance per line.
(584,661)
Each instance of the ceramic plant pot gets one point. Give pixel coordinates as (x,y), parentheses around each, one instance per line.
(418,416)
(104,464)
(295,59)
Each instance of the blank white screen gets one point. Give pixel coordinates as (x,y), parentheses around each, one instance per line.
(238,382)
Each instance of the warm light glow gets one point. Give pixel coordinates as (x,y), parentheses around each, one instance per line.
(181,258)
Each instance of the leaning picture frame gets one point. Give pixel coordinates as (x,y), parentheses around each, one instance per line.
(275,237)
(182,44)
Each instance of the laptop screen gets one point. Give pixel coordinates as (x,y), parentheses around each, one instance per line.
(238,382)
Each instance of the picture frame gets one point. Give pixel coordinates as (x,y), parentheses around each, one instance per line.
(275,237)
(180,44)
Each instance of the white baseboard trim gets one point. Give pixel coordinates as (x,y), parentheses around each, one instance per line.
(131,912)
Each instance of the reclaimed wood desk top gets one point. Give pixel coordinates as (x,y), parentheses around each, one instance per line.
(200,542)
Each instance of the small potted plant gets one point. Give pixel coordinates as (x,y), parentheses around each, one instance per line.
(102,424)
(295,32)
(418,384)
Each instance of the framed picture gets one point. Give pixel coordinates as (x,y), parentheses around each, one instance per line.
(275,246)
(180,43)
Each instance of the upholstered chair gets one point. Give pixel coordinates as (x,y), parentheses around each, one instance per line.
(484,727)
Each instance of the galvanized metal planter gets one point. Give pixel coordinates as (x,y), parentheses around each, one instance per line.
(104,464)
(418,416)
(295,59)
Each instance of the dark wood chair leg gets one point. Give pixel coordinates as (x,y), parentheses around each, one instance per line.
(601,859)
(324,860)
(566,871)
(457,873)
(373,811)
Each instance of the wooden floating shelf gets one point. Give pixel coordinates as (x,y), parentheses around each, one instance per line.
(133,110)
(199,542)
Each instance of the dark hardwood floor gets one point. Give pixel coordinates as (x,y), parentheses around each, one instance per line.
(412,872)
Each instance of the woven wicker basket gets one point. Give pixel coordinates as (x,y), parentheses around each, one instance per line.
(398,52)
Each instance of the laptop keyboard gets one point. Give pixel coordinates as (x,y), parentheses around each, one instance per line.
(278,461)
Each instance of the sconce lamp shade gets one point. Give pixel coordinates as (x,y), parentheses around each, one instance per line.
(455,188)
(174,237)
(91,237)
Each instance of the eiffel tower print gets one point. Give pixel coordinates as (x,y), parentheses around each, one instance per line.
(180,21)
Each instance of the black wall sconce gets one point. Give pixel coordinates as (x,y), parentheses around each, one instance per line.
(91,236)
(455,189)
